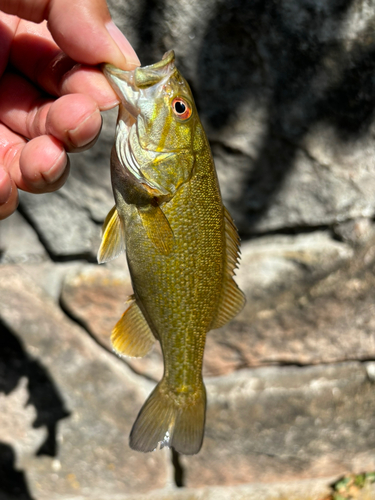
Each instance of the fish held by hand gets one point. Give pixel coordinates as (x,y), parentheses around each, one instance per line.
(181,246)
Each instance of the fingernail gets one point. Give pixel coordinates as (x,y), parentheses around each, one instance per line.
(124,45)
(5,186)
(57,170)
(87,131)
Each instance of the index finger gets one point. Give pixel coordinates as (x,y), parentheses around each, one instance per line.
(35,54)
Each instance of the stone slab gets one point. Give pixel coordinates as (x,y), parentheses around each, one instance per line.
(65,228)
(306,315)
(85,401)
(286,424)
(298,490)
(19,242)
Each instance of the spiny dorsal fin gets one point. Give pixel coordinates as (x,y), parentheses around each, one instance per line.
(132,336)
(232,298)
(157,228)
(113,238)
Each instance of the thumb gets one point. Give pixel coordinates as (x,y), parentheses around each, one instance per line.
(83,29)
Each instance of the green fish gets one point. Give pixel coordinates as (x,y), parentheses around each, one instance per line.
(180,242)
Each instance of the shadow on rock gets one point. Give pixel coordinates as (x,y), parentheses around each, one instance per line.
(291,60)
(148,24)
(13,485)
(43,394)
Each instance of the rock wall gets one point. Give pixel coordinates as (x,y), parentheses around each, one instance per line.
(286,91)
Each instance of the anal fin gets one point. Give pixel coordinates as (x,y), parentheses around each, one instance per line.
(132,335)
(113,238)
(157,228)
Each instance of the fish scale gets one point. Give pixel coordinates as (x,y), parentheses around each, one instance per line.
(180,318)
(181,246)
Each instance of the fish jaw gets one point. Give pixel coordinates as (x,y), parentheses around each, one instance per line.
(130,86)
(123,84)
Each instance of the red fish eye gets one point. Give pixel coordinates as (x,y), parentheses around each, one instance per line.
(181,108)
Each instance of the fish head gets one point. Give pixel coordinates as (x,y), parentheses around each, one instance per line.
(160,101)
(168,116)
(157,123)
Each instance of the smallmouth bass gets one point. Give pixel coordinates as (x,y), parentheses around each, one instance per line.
(180,242)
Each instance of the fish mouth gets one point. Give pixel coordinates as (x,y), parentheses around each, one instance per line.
(128,85)
(122,83)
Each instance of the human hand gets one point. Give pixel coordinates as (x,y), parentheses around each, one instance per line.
(50,92)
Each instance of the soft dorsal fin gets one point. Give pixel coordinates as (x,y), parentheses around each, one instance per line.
(113,238)
(157,228)
(232,298)
(132,335)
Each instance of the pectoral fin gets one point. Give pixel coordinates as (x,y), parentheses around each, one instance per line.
(113,239)
(232,298)
(157,228)
(132,335)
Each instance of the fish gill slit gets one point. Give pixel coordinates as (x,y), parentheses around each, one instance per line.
(131,161)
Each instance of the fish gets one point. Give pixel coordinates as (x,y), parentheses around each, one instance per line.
(181,245)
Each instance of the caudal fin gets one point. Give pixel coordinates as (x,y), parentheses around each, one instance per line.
(170,419)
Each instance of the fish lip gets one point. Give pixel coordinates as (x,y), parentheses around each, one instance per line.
(123,84)
(129,85)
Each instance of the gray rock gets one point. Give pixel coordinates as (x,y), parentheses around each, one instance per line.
(19,242)
(296,490)
(285,91)
(85,401)
(370,367)
(356,232)
(311,320)
(274,263)
(279,424)
(50,275)
(64,227)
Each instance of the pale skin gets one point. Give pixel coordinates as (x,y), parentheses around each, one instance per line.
(51,93)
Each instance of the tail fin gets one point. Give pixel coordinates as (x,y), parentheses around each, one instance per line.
(173,420)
